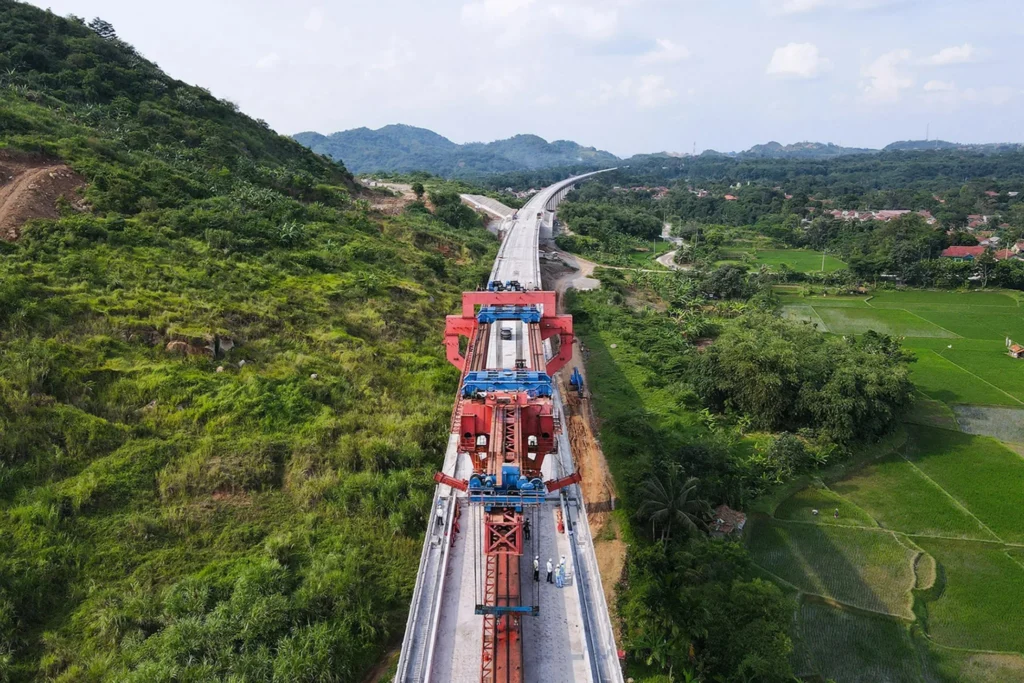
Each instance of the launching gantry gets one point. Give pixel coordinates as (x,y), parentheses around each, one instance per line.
(506,424)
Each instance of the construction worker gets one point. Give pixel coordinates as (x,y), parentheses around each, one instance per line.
(536,568)
(526,529)
(551,569)
(560,575)
(440,513)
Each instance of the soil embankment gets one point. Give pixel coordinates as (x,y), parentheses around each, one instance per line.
(30,189)
(581,428)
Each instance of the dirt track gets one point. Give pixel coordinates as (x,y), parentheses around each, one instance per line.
(30,190)
(581,427)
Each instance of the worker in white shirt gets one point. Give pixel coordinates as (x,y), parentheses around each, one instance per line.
(536,568)
(551,570)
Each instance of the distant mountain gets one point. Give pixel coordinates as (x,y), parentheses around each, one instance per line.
(401,148)
(797,150)
(932,145)
(801,150)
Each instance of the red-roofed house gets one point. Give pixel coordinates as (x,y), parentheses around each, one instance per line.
(730,198)
(1017,351)
(971,253)
(1018,248)
(991,193)
(727,521)
(963,253)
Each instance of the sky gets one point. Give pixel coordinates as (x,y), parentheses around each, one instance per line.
(627,76)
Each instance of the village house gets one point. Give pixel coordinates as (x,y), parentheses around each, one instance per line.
(971,253)
(727,522)
(885,215)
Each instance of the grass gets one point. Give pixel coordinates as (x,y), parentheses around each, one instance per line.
(1005,424)
(168,517)
(944,298)
(899,497)
(856,648)
(979,607)
(941,379)
(799,260)
(896,322)
(932,413)
(956,495)
(980,473)
(868,569)
(958,337)
(978,667)
(800,506)
(957,498)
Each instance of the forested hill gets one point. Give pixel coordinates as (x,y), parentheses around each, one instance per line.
(222,388)
(400,148)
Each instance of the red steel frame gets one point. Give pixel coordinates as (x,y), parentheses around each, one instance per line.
(505,428)
(551,324)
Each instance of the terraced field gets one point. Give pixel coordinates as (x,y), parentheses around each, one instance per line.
(871,570)
(921,576)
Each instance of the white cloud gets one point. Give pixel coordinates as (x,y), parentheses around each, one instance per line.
(805,6)
(584,21)
(500,86)
(958,54)
(665,52)
(268,61)
(798,60)
(390,60)
(647,92)
(939,86)
(516,21)
(652,92)
(314,20)
(489,11)
(884,78)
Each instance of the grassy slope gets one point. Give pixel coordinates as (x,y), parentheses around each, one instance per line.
(160,516)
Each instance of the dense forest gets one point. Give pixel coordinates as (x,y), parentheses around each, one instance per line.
(222,391)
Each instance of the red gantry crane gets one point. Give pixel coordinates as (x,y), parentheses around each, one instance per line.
(506,425)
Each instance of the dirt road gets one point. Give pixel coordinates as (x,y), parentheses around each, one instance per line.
(582,429)
(30,190)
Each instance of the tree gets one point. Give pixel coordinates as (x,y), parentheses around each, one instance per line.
(985,264)
(667,504)
(103,28)
(418,188)
(787,376)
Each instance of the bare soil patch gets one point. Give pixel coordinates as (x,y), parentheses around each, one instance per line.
(30,188)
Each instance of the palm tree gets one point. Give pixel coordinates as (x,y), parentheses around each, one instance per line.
(667,504)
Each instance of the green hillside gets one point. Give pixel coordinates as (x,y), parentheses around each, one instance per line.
(402,149)
(222,388)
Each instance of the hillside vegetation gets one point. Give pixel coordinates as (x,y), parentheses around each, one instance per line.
(402,149)
(222,390)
